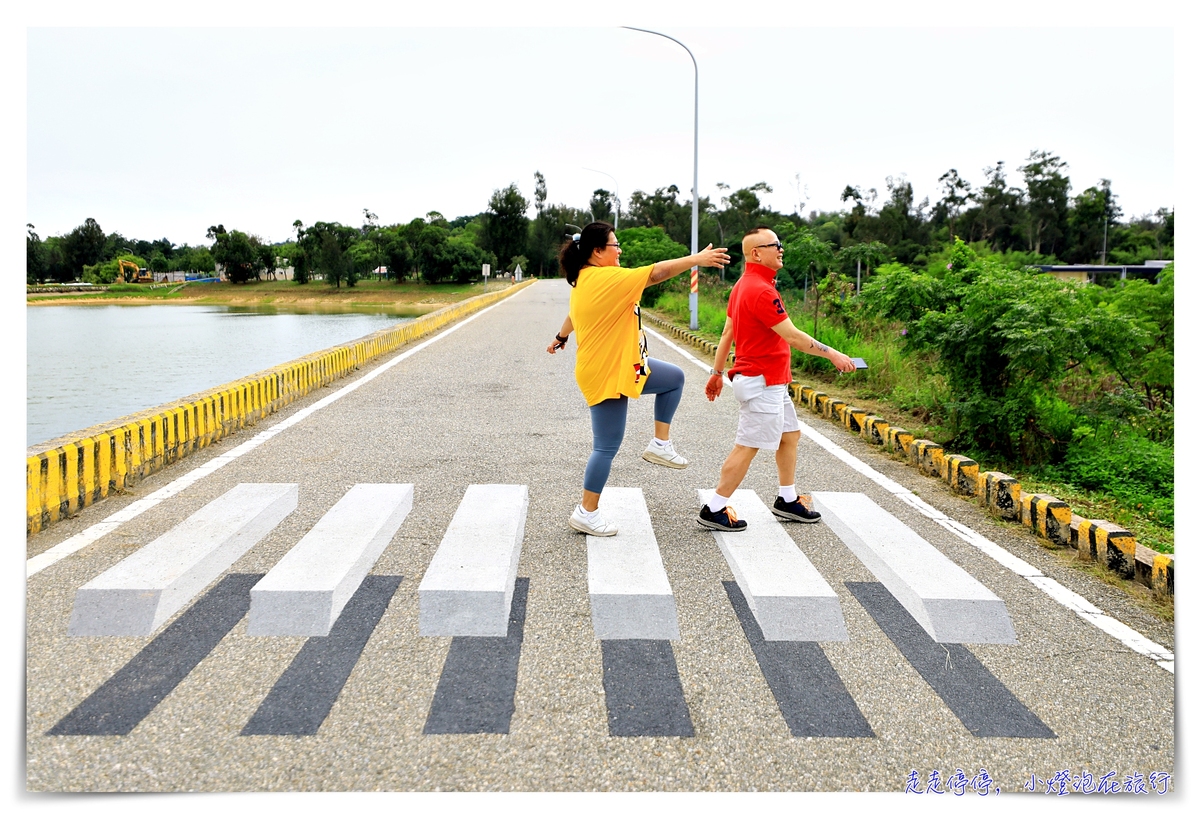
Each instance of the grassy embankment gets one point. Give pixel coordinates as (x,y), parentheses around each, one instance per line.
(407,299)
(905,388)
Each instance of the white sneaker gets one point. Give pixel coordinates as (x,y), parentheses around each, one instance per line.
(664,456)
(591,523)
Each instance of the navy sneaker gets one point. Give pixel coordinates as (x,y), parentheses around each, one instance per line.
(794,511)
(723,520)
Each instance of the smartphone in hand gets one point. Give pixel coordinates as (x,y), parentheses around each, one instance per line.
(859,363)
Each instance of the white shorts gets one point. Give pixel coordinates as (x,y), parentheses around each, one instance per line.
(765,413)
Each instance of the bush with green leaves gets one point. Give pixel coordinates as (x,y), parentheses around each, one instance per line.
(1005,341)
(641,246)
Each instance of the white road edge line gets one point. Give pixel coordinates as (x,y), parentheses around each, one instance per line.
(93,533)
(1065,597)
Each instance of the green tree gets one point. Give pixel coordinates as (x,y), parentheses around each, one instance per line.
(364,255)
(83,247)
(236,252)
(1147,367)
(397,252)
(36,265)
(901,223)
(159,263)
(1094,214)
(267,262)
(331,260)
(1046,188)
(505,228)
(662,209)
(864,254)
(544,236)
(200,261)
(602,205)
(998,214)
(956,192)
(642,246)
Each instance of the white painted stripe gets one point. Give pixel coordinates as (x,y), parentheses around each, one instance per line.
(627,585)
(789,598)
(950,604)
(1001,555)
(144,590)
(306,590)
(468,587)
(89,535)
(678,349)
(1064,596)
(979,541)
(1119,630)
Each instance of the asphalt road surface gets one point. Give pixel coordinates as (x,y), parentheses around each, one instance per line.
(200,704)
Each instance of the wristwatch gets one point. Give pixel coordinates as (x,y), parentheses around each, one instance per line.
(712,371)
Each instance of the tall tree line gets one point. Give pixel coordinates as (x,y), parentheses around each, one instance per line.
(1031,215)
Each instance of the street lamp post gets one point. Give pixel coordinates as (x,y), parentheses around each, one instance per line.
(693,295)
(616,194)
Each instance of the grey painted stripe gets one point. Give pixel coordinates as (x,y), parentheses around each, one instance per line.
(135,690)
(948,602)
(306,590)
(93,533)
(981,702)
(141,592)
(305,693)
(477,689)
(627,585)
(467,589)
(810,694)
(789,598)
(1118,630)
(642,690)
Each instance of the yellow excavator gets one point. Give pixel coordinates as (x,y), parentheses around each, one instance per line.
(130,273)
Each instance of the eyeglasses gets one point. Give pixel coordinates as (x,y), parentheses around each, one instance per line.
(614,244)
(776,244)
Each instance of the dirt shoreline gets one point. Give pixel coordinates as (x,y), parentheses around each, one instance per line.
(404,299)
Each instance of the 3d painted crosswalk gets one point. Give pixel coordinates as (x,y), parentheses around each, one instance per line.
(140,593)
(468,587)
(306,590)
(323,588)
(790,600)
(950,604)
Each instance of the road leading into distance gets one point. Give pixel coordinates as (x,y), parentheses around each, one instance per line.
(689,696)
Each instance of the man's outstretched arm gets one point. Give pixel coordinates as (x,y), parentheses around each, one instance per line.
(804,342)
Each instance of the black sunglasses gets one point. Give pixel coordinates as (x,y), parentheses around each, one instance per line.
(778,244)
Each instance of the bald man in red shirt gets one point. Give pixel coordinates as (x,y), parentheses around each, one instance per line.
(757,324)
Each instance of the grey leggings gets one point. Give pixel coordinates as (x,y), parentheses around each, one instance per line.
(608,420)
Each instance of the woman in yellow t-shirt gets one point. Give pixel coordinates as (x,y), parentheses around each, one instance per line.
(611,365)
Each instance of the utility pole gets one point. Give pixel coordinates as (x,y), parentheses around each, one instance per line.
(693,297)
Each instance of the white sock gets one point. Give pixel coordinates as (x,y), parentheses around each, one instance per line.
(717,502)
(589,514)
(788,493)
(662,444)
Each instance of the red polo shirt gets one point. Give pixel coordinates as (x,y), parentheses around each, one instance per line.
(755,306)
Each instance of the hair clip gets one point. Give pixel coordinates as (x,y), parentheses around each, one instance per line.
(575,238)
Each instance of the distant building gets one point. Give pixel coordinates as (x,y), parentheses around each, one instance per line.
(1095,273)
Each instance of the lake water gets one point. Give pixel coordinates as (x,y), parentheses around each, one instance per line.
(92,364)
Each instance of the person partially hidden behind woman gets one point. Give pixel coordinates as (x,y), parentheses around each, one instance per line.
(612,364)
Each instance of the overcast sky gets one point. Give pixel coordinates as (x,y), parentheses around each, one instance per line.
(164,131)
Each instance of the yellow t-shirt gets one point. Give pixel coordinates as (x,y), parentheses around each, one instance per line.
(610,359)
